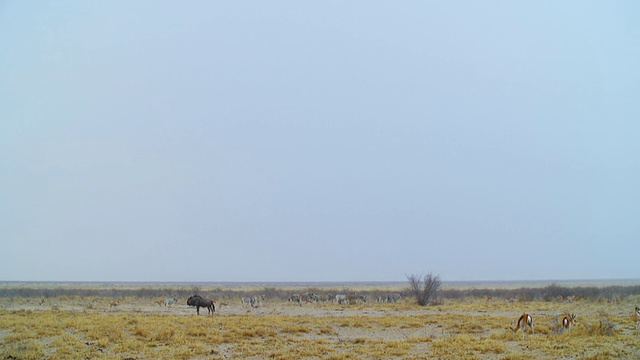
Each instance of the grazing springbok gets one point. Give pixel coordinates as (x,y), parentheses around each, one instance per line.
(114,303)
(170,301)
(198,301)
(524,321)
(568,321)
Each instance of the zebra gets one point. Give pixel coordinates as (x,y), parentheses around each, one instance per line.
(256,300)
(390,298)
(246,300)
(355,298)
(328,297)
(341,298)
(170,301)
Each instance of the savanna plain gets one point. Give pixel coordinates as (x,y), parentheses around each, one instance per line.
(380,321)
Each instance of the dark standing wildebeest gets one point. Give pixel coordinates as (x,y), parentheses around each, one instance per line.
(198,301)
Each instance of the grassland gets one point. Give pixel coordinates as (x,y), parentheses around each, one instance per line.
(80,327)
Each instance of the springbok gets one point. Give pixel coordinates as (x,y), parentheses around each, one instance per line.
(637,316)
(568,321)
(524,321)
(114,303)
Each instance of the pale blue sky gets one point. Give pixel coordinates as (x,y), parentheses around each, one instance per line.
(319,141)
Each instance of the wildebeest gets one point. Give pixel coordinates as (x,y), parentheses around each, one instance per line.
(198,301)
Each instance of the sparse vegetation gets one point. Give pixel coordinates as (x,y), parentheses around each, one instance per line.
(462,327)
(424,288)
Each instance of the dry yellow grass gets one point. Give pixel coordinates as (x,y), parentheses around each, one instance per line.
(469,329)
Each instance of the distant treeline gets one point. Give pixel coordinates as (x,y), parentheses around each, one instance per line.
(548,293)
(551,292)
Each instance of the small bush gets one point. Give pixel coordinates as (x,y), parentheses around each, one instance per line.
(424,287)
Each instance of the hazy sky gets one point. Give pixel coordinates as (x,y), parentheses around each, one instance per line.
(319,141)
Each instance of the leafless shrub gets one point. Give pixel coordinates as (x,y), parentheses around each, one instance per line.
(424,287)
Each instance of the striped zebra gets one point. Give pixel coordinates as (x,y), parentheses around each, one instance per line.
(341,298)
(170,301)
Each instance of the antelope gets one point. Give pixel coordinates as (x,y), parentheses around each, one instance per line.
(568,321)
(637,315)
(570,299)
(524,321)
(114,304)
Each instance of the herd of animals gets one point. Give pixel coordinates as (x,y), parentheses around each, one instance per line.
(525,321)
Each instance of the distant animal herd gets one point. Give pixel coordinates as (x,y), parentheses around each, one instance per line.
(524,322)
